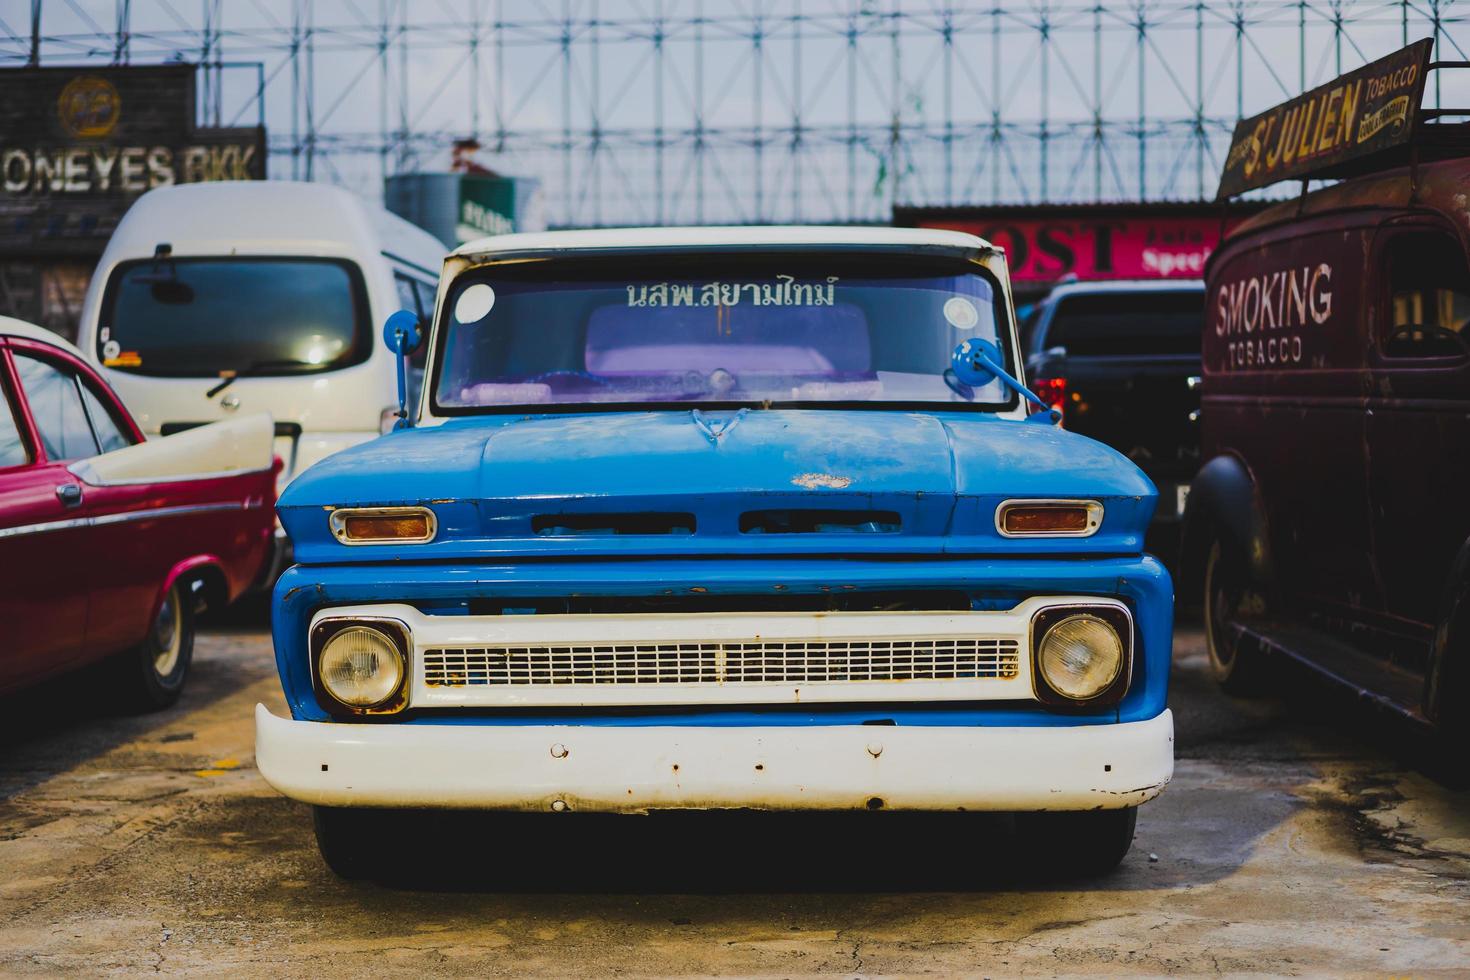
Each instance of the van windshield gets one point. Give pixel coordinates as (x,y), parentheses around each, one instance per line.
(800,330)
(200,317)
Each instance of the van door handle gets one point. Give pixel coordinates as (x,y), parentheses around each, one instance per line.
(70,494)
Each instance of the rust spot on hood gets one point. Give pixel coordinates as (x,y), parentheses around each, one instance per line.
(822,481)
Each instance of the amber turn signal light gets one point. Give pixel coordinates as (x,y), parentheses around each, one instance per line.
(366,528)
(1062,518)
(383,525)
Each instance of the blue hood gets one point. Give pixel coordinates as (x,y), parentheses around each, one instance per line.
(684,483)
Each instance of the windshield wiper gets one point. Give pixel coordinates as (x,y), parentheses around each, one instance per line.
(228,378)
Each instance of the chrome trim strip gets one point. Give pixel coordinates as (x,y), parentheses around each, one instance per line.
(15,532)
(178,511)
(127,517)
(338,523)
(1094,517)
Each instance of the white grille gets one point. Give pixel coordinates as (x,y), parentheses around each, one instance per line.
(717,658)
(758,662)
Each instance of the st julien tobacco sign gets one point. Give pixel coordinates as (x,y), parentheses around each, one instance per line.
(1333,130)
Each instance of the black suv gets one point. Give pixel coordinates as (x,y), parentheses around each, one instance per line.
(1122,362)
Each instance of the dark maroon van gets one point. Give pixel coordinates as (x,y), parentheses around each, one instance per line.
(1329,522)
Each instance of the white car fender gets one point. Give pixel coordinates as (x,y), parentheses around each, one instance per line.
(228,448)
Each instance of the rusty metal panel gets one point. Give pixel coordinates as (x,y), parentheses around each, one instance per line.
(1284,366)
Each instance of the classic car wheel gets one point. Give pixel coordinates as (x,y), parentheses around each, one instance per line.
(1076,844)
(154,671)
(1228,599)
(352,839)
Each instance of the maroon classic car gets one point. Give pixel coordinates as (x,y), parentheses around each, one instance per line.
(108,544)
(1328,524)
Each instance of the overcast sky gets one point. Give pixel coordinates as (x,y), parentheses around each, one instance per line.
(802,69)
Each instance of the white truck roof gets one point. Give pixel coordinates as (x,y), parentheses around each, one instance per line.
(716,236)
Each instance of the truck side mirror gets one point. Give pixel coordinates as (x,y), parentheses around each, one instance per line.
(401,332)
(402,335)
(975,362)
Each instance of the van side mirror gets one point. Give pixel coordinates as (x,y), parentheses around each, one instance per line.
(402,335)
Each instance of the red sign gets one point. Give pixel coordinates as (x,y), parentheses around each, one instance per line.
(1046,249)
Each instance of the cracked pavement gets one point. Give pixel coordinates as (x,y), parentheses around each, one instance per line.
(1294,839)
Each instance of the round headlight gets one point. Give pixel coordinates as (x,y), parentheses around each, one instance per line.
(1081,656)
(360,667)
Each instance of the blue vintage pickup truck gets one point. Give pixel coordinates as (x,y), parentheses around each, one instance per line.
(723,518)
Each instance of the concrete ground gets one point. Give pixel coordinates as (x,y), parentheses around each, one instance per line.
(1293,840)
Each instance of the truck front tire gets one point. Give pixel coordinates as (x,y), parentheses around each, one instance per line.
(1076,844)
(353,840)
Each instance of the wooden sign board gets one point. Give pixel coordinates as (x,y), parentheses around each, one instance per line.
(1335,130)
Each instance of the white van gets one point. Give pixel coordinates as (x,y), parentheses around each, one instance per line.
(217,299)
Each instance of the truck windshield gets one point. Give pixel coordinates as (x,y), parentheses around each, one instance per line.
(1129,323)
(803,331)
(201,317)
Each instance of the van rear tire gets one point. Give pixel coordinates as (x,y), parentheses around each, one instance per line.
(1229,596)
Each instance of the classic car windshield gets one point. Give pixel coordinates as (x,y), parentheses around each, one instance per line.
(793,331)
(197,317)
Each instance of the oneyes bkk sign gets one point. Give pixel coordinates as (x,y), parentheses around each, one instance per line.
(79,144)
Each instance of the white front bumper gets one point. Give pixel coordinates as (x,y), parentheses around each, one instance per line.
(632,769)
